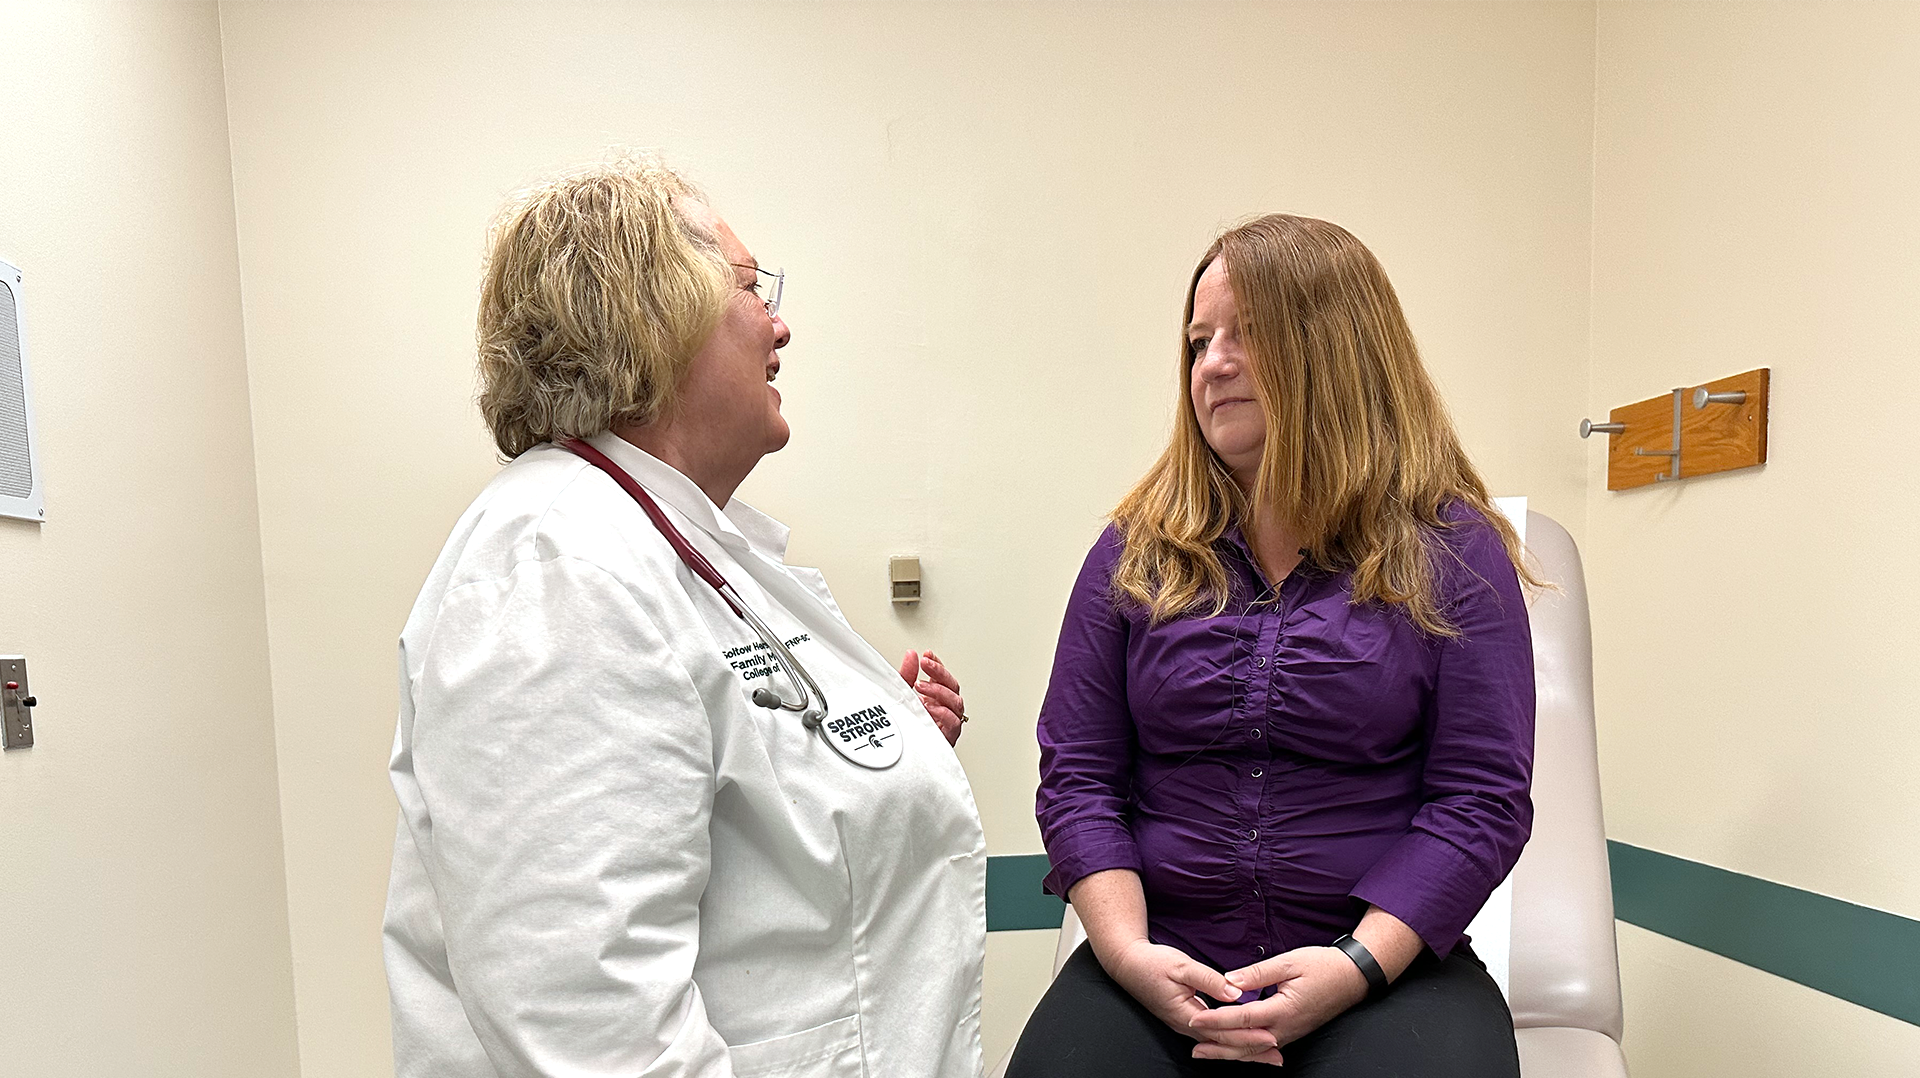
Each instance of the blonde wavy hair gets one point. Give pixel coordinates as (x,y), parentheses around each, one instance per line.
(1360,453)
(599,288)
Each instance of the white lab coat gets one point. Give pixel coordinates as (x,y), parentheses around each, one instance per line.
(611,862)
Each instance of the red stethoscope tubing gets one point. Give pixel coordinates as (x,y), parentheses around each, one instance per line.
(695,561)
(802,682)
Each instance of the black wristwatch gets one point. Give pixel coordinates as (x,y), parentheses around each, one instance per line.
(1369,967)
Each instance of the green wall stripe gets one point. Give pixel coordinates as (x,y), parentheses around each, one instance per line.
(1014,898)
(1861,955)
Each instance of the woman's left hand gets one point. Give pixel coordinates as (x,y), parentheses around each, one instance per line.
(939,690)
(1311,986)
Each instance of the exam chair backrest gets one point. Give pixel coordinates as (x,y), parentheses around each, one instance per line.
(1564,967)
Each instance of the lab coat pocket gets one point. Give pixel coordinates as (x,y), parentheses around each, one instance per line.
(826,1051)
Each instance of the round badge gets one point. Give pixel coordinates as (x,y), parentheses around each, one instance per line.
(868,736)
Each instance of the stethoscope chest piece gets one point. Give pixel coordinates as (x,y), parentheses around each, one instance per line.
(868,736)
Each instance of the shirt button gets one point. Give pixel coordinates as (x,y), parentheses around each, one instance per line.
(1253,833)
(1260,950)
(1258,772)
(1253,733)
(1260,662)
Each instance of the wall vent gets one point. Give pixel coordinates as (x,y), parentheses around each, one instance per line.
(20,494)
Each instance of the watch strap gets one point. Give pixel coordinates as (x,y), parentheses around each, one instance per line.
(1369,966)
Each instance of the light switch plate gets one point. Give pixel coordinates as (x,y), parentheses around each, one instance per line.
(903,573)
(16,718)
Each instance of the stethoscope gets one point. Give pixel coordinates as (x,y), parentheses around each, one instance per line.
(804,685)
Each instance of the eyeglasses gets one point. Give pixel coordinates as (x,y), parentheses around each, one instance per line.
(767,291)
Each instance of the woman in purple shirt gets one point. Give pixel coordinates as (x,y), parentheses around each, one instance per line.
(1286,749)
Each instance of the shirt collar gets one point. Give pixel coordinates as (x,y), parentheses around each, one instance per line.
(1238,540)
(738,525)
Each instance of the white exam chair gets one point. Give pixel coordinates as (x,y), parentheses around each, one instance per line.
(1564,969)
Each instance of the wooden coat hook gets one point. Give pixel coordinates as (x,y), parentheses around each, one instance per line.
(1692,431)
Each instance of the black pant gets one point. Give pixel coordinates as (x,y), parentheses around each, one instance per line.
(1442,1019)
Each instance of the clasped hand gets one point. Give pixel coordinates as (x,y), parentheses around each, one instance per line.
(1311,985)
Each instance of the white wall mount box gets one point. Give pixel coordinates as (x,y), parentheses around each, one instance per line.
(20,492)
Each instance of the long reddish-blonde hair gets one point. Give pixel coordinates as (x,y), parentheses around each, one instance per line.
(1360,456)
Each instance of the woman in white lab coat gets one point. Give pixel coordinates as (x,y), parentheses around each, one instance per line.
(611,860)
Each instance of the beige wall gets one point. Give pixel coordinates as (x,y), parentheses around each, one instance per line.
(988,214)
(1755,170)
(1693,1014)
(145,928)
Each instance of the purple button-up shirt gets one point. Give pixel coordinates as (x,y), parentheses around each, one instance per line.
(1271,771)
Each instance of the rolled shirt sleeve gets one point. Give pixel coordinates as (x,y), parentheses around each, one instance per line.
(1477,812)
(559,788)
(1086,734)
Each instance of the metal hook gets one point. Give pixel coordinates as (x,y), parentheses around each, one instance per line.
(1588,427)
(1702,398)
